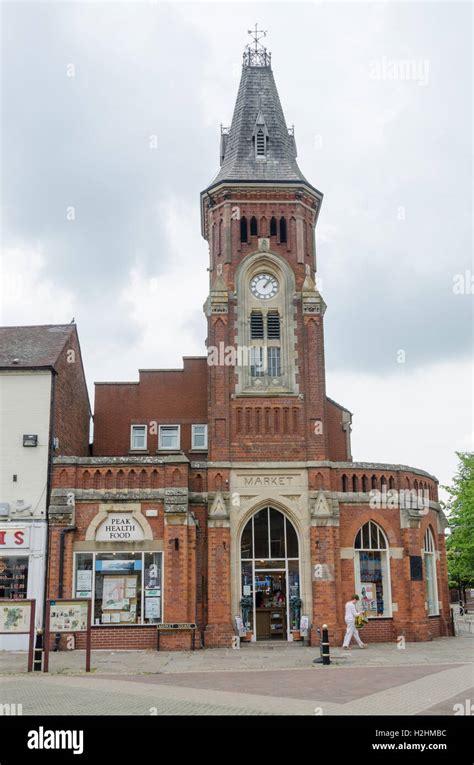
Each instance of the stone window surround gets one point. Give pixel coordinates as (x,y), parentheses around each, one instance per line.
(283,302)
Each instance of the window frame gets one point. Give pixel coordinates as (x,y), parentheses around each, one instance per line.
(142,553)
(384,560)
(169,448)
(138,448)
(193,433)
(429,554)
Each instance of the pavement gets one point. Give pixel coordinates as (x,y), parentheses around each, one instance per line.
(420,679)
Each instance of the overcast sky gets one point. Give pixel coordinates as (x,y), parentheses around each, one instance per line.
(110,129)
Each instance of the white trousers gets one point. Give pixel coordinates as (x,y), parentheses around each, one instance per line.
(351,631)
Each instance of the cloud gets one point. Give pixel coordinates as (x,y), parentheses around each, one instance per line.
(113,109)
(28,295)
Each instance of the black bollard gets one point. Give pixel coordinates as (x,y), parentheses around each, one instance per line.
(325,645)
(38,654)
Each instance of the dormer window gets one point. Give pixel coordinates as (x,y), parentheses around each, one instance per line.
(260,143)
(260,137)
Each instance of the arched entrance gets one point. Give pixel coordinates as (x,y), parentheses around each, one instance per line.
(270,575)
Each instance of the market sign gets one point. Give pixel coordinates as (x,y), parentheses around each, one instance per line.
(14,536)
(119,527)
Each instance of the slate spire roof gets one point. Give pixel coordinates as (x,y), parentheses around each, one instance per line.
(258,105)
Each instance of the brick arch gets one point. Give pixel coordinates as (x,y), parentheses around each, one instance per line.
(365,483)
(355,483)
(143,479)
(109,480)
(319,481)
(344,482)
(424,528)
(120,479)
(368,515)
(218,481)
(131,479)
(86,480)
(176,477)
(63,478)
(97,479)
(155,481)
(198,482)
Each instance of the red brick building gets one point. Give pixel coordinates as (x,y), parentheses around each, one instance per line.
(227,488)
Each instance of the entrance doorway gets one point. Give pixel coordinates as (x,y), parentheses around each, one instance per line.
(270,568)
(270,605)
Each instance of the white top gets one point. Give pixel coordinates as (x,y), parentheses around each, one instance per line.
(351,611)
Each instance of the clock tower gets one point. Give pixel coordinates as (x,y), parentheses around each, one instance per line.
(267,404)
(265,313)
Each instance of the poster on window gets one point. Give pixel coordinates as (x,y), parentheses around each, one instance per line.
(15,617)
(152,608)
(113,594)
(368,593)
(68,617)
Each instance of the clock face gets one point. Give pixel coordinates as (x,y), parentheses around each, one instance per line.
(264,286)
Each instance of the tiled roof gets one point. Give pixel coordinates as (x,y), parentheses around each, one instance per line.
(38,346)
(257,98)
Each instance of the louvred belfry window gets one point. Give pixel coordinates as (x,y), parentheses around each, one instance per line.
(260,143)
(273,325)
(256,325)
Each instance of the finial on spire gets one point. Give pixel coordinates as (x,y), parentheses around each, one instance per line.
(255,54)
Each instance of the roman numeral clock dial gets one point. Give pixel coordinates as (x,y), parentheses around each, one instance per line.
(264,286)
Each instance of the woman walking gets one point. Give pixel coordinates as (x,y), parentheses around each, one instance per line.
(350,619)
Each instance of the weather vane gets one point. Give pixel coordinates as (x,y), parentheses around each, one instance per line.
(255,54)
(256,35)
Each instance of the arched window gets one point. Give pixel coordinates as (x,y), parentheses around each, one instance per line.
(355,483)
(269,552)
(344,483)
(243,230)
(372,570)
(431,584)
(253,226)
(391,482)
(365,483)
(273,227)
(283,230)
(374,482)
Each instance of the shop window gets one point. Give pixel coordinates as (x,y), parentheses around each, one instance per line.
(199,437)
(372,570)
(138,437)
(13,577)
(429,563)
(169,437)
(126,588)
